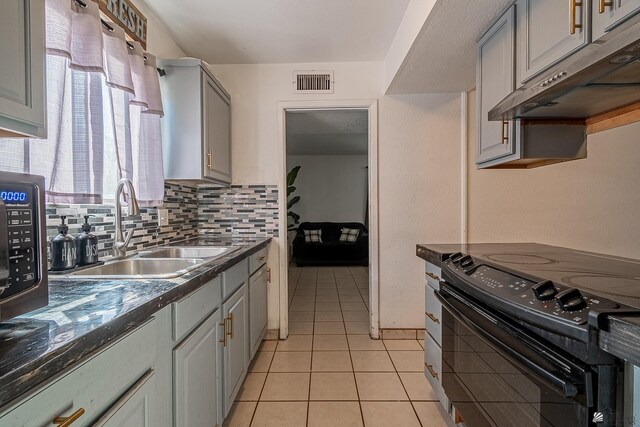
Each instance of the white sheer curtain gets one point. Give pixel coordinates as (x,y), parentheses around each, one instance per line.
(100,93)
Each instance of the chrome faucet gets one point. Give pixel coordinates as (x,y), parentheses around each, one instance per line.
(123,238)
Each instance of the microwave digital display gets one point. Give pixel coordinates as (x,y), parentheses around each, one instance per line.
(13,196)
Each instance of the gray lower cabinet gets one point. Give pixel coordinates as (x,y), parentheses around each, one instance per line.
(197,376)
(196,129)
(258,308)
(137,408)
(90,389)
(433,337)
(236,351)
(22,70)
(607,14)
(548,31)
(495,77)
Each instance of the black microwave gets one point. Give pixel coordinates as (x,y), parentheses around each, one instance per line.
(23,245)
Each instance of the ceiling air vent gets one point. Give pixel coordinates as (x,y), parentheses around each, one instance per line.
(313,81)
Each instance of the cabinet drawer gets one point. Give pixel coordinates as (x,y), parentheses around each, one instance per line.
(433,367)
(433,275)
(93,385)
(433,315)
(194,308)
(258,259)
(234,277)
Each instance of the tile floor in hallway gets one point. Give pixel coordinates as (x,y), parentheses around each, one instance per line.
(329,372)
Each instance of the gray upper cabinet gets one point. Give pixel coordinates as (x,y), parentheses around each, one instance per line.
(609,13)
(196,136)
(217,111)
(495,80)
(548,31)
(22,71)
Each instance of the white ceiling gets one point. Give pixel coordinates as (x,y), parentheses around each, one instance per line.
(282,31)
(443,56)
(327,132)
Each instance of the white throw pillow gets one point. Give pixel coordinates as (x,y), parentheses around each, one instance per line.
(313,236)
(349,235)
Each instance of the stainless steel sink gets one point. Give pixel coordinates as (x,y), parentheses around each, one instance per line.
(138,268)
(188,252)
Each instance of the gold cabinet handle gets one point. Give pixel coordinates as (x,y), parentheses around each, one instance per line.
(231,327)
(433,276)
(433,373)
(433,318)
(573,5)
(224,333)
(209,160)
(262,258)
(268,275)
(67,421)
(604,4)
(505,132)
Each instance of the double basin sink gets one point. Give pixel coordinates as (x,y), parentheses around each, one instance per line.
(159,263)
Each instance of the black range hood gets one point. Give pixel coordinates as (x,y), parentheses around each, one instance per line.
(602,76)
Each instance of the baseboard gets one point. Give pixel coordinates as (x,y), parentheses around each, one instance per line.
(402,334)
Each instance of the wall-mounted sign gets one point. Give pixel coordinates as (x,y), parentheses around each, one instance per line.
(124,13)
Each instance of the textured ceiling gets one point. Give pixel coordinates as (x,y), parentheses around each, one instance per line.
(282,31)
(326,132)
(442,58)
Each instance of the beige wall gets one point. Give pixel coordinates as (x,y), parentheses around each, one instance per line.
(159,40)
(419,196)
(591,204)
(419,140)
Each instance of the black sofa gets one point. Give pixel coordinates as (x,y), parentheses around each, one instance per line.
(331,251)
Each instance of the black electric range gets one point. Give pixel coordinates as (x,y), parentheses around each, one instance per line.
(520,331)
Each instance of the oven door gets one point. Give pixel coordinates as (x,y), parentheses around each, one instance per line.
(496,374)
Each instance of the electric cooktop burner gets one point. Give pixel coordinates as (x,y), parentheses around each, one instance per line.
(520,259)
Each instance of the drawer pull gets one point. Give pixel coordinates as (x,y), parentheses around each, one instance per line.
(262,258)
(231,327)
(209,160)
(433,373)
(224,332)
(67,421)
(433,318)
(433,276)
(604,4)
(268,275)
(573,5)
(505,127)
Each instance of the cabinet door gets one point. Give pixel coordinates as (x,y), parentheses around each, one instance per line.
(494,81)
(217,135)
(549,30)
(609,13)
(197,386)
(137,408)
(22,90)
(236,352)
(258,312)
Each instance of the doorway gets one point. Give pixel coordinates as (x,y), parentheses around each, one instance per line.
(339,138)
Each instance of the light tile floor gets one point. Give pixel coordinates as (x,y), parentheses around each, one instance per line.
(329,372)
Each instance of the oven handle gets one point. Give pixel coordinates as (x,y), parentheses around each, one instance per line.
(568,388)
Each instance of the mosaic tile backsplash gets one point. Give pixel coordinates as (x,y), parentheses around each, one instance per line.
(234,211)
(238,210)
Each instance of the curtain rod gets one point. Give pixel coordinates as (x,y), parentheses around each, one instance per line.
(109,27)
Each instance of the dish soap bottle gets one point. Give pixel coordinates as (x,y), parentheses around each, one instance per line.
(86,245)
(63,248)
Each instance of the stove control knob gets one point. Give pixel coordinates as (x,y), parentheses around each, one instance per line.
(466,261)
(545,290)
(571,300)
(455,258)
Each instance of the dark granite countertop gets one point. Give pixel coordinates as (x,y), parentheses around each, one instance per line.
(611,277)
(84,315)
